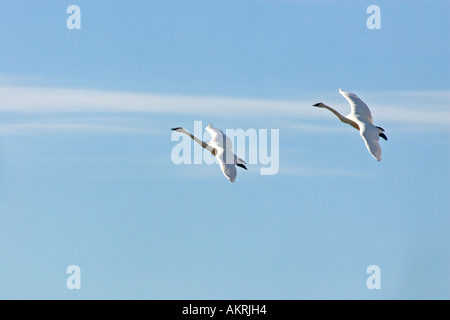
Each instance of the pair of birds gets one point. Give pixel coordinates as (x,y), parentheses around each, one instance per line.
(359,118)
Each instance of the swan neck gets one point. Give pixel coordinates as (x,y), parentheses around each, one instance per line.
(342,118)
(202,143)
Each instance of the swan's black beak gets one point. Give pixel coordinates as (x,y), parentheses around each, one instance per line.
(242,166)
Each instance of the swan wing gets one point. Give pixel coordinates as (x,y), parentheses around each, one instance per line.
(219,139)
(216,134)
(370,135)
(359,110)
(228,169)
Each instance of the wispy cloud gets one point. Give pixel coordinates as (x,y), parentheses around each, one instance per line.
(303,126)
(403,107)
(58,100)
(430,108)
(26,128)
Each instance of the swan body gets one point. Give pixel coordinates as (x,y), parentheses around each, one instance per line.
(221,147)
(361,119)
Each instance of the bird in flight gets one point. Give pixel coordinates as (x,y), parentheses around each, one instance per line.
(222,148)
(361,119)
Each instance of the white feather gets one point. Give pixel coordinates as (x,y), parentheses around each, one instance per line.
(222,147)
(360,118)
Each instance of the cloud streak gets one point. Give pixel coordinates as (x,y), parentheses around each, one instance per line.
(430,108)
(26,128)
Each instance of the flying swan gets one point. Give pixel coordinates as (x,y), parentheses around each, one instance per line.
(222,148)
(360,118)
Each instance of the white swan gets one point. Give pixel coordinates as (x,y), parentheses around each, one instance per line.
(222,148)
(361,119)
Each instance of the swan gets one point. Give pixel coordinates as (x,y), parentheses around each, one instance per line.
(222,148)
(361,119)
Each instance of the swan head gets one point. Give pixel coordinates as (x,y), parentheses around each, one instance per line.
(319,105)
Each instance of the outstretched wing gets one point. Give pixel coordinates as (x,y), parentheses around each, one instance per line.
(229,170)
(225,156)
(228,166)
(359,110)
(370,135)
(219,139)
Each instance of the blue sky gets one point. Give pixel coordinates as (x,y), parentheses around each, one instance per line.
(86,176)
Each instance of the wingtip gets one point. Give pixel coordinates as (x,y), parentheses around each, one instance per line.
(177,128)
